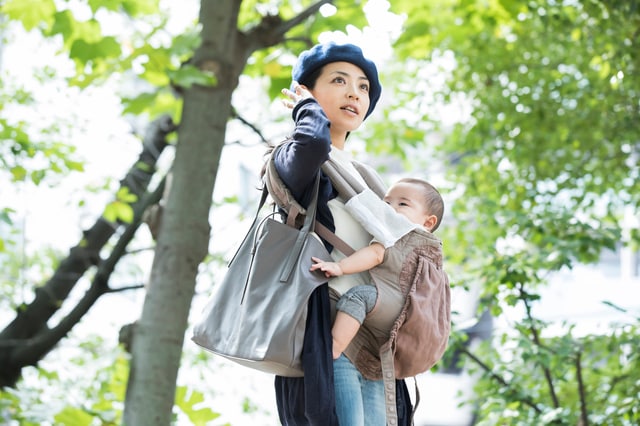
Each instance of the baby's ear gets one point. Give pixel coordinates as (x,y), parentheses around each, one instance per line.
(430,222)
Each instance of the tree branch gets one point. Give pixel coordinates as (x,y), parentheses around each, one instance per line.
(31,320)
(234,114)
(536,340)
(272,29)
(514,392)
(126,288)
(584,418)
(37,347)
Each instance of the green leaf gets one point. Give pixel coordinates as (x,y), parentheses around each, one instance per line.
(117,211)
(126,196)
(64,24)
(187,399)
(19,173)
(5,215)
(140,7)
(38,175)
(30,13)
(188,75)
(133,8)
(138,104)
(74,165)
(83,51)
(73,416)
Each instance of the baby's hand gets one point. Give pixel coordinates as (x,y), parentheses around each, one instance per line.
(299,93)
(330,269)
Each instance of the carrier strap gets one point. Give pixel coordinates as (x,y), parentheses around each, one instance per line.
(333,239)
(389,381)
(346,185)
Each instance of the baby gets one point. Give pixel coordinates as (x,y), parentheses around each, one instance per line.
(421,204)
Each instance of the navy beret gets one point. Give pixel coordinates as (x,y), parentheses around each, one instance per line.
(323,54)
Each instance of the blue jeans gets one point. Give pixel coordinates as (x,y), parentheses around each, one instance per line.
(359,402)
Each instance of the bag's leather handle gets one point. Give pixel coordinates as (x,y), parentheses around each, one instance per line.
(263,199)
(308,225)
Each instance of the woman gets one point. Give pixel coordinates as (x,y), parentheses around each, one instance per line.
(335,88)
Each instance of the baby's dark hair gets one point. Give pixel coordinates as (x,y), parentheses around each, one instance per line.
(433,201)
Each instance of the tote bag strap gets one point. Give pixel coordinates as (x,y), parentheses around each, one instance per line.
(307,227)
(263,199)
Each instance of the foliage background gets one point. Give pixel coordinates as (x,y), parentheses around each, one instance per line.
(540,163)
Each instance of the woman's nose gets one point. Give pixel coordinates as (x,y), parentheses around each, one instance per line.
(352,92)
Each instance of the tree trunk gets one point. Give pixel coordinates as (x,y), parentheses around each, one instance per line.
(183,239)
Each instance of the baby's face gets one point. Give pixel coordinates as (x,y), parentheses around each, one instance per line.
(406,199)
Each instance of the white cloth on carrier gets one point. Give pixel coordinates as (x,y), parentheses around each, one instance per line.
(379,218)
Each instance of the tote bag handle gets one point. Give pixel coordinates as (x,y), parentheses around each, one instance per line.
(307,227)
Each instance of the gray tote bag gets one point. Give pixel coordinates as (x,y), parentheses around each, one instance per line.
(257,314)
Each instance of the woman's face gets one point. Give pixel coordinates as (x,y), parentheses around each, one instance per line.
(342,90)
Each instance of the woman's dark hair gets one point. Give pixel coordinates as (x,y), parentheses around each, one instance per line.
(311,80)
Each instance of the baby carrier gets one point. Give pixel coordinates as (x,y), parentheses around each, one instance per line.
(420,331)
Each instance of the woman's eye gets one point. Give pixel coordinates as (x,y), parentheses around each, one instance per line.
(339,80)
(365,87)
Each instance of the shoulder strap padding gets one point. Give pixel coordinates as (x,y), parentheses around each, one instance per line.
(345,183)
(341,180)
(371,178)
(280,193)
